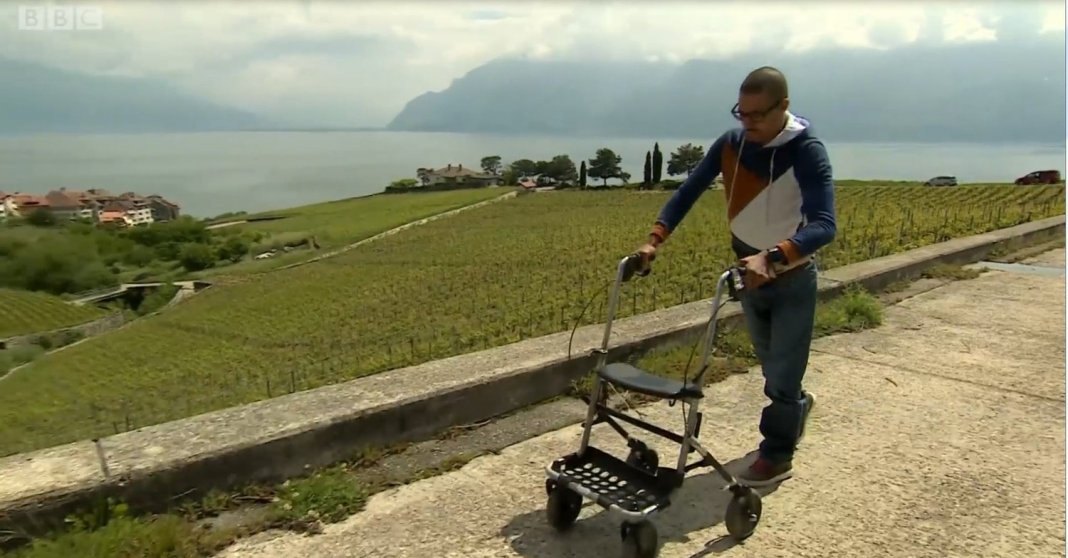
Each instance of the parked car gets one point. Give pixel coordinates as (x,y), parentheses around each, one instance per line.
(942,181)
(1040,177)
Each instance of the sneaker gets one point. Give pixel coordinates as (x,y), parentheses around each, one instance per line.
(764,472)
(810,402)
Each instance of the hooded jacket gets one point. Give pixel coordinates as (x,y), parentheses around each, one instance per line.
(778,194)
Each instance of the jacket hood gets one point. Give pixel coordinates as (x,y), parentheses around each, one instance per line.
(795,126)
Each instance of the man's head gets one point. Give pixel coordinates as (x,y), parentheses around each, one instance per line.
(763,99)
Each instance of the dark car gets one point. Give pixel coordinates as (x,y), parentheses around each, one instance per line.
(1040,177)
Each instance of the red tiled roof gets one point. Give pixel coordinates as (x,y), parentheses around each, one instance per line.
(120,206)
(63,200)
(31,200)
(160,199)
(456,172)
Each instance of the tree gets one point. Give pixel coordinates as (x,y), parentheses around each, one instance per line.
(647,177)
(424,176)
(685,159)
(561,168)
(658,162)
(524,167)
(402,185)
(582,175)
(195,256)
(41,218)
(491,164)
(139,255)
(235,248)
(605,165)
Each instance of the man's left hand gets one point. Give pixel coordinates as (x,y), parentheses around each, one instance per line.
(758,270)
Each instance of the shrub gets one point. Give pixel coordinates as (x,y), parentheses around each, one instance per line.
(196,256)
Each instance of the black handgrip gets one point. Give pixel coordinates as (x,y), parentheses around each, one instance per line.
(735,281)
(634,266)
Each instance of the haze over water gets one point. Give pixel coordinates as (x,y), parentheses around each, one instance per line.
(211,173)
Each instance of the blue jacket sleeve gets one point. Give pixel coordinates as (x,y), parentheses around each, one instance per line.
(814,176)
(682,200)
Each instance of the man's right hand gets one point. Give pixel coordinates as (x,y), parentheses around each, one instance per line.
(648,254)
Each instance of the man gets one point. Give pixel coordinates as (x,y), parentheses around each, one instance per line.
(780,206)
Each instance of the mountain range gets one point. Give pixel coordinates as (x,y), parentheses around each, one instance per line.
(42,99)
(987,92)
(1003,91)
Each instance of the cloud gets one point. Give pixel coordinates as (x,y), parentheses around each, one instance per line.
(488,15)
(358,63)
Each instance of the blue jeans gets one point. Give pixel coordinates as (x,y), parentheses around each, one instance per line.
(780,316)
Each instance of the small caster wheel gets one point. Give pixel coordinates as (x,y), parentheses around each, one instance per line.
(640,540)
(563,508)
(646,459)
(743,513)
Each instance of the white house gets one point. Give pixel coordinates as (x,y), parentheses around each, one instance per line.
(8,207)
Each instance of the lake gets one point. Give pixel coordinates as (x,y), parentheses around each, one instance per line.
(211,173)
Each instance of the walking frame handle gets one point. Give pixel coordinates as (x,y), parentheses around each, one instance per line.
(732,278)
(634,264)
(629,266)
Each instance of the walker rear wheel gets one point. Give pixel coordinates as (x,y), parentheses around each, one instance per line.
(644,459)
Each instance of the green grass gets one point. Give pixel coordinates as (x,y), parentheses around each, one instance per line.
(509,271)
(25,312)
(339,223)
(343,221)
(327,495)
(953,272)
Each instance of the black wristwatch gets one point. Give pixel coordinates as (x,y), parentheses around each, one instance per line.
(776,256)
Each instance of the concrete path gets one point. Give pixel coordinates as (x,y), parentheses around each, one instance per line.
(940,434)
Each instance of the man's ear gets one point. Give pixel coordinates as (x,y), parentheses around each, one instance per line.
(786,104)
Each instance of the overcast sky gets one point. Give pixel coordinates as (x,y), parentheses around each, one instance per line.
(357,63)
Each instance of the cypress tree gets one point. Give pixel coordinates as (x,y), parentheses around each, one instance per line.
(658,162)
(648,176)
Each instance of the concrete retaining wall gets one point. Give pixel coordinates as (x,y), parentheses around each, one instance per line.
(282,437)
(88,329)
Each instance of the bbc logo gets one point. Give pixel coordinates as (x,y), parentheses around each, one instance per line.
(60,18)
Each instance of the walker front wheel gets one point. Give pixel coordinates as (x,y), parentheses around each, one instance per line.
(563,508)
(640,540)
(743,513)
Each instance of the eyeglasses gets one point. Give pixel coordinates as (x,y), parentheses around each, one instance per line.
(754,114)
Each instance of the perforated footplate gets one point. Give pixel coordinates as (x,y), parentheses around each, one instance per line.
(612,481)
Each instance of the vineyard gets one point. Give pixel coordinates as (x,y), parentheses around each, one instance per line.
(512,270)
(340,222)
(23,312)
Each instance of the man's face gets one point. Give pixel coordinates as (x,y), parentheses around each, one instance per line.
(761,116)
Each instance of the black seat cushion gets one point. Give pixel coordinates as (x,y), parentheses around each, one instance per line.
(635,379)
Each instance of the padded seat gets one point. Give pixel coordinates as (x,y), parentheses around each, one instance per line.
(635,379)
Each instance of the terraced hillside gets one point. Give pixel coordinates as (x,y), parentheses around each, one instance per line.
(24,312)
(515,269)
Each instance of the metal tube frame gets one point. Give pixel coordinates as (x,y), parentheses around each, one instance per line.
(598,412)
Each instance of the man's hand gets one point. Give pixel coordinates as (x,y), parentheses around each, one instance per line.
(648,254)
(758,270)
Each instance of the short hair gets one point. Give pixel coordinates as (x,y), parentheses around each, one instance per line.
(765,79)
